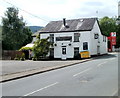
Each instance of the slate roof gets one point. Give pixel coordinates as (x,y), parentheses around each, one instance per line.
(84,24)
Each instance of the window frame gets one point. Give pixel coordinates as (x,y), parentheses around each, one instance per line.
(76,37)
(52,38)
(85,45)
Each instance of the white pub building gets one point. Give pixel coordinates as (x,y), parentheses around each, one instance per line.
(71,37)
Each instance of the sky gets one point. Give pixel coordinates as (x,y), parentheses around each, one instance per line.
(44,11)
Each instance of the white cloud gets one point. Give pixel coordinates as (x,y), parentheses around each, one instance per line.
(57,9)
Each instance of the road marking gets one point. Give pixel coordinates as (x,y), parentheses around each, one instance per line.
(39,89)
(82,72)
(115,92)
(101,64)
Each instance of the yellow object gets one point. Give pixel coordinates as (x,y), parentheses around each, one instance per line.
(85,54)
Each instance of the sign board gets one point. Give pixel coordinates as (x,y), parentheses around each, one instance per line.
(113,34)
(85,54)
(113,38)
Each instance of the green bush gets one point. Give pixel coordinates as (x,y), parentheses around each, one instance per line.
(25,48)
(16,57)
(34,59)
(41,48)
(22,57)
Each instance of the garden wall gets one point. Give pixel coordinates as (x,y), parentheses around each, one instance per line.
(10,54)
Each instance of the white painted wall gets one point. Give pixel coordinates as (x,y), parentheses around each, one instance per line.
(95,42)
(85,36)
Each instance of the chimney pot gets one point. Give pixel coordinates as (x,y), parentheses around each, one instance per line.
(64,21)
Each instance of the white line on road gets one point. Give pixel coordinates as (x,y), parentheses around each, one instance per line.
(101,64)
(115,92)
(39,89)
(82,72)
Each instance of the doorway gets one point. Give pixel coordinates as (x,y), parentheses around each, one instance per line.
(98,50)
(64,53)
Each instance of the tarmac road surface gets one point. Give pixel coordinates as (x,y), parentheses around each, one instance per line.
(98,77)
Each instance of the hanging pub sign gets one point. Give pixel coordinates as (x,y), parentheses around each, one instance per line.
(113,38)
(113,34)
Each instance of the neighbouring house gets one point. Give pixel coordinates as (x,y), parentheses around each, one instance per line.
(72,37)
(27,49)
(34,36)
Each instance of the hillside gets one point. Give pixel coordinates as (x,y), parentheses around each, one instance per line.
(35,28)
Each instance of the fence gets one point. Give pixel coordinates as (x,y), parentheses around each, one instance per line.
(10,54)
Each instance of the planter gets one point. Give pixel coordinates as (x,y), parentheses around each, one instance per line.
(16,58)
(22,59)
(34,59)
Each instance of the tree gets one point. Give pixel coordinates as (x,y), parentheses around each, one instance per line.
(41,47)
(108,25)
(14,32)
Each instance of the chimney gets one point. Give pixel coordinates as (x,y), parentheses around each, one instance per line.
(64,22)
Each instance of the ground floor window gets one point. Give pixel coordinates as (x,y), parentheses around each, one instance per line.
(85,45)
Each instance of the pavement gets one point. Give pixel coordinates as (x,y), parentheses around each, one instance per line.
(12,69)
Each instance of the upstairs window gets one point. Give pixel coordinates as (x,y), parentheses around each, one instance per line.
(76,37)
(52,38)
(96,36)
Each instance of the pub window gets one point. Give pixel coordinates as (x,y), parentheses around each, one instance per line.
(76,37)
(52,38)
(96,36)
(105,38)
(85,46)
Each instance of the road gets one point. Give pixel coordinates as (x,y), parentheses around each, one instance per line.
(98,77)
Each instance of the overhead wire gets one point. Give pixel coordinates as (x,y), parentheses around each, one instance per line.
(26,11)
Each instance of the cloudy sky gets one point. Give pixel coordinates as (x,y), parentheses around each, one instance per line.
(51,10)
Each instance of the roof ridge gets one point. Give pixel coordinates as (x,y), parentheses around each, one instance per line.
(73,19)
